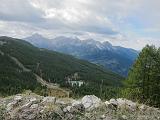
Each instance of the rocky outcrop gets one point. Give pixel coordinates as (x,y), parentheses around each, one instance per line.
(35,107)
(91,102)
(122,103)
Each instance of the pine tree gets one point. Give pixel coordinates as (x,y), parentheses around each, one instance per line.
(143,82)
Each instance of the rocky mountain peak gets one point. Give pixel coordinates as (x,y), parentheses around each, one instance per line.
(94,51)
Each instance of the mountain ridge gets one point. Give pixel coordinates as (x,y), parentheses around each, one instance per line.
(89,49)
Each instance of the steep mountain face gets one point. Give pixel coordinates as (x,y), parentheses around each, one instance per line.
(115,58)
(21,64)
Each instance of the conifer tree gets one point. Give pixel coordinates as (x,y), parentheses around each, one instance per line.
(143,82)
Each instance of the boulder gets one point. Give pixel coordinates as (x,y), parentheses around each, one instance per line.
(91,102)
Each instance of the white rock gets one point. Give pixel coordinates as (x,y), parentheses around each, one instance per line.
(107,103)
(142,107)
(68,108)
(103,117)
(124,117)
(90,102)
(26,105)
(18,98)
(49,100)
(41,111)
(74,103)
(33,99)
(34,106)
(65,110)
(113,102)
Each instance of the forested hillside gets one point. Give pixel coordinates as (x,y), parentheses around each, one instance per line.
(12,79)
(52,66)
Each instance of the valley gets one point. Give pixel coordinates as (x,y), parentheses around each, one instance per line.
(48,70)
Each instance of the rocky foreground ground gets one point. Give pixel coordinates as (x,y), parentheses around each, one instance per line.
(34,107)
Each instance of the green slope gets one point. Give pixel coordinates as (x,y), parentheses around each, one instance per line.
(52,66)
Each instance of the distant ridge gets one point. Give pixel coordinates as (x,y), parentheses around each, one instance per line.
(115,58)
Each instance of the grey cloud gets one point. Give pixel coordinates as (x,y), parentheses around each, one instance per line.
(105,18)
(19,10)
(101,30)
(33,13)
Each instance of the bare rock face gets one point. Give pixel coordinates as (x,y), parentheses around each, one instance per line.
(91,102)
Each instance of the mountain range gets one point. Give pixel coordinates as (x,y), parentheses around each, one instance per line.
(115,58)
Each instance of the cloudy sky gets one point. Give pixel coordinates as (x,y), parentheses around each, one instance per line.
(129,23)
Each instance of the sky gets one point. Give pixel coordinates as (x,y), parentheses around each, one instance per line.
(127,23)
